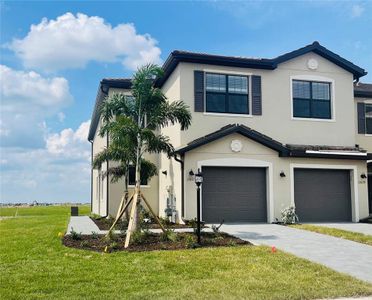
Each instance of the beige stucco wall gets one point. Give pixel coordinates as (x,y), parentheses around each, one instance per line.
(99,195)
(363,140)
(170,184)
(276,120)
(254,154)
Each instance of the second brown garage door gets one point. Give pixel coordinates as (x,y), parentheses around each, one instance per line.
(322,195)
(234,194)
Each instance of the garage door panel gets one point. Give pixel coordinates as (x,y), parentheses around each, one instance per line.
(234,194)
(322,195)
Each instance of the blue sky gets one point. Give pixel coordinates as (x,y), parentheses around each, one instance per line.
(50,71)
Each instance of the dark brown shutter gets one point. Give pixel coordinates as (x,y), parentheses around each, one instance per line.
(256,95)
(361,117)
(199,91)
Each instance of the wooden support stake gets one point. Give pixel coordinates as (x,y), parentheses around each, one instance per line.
(131,218)
(152,212)
(120,215)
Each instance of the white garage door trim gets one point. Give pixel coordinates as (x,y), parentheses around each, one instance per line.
(244,163)
(353,183)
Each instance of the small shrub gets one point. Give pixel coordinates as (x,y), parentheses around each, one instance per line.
(168,235)
(216,229)
(289,215)
(232,243)
(139,237)
(84,244)
(111,237)
(114,246)
(95,235)
(122,225)
(189,241)
(74,235)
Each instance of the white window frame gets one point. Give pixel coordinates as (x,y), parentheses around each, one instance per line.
(317,79)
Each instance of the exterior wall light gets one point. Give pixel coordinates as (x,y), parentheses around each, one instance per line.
(191,173)
(165,172)
(282,174)
(363,176)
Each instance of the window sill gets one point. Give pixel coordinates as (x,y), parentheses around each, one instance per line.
(142,186)
(227,115)
(313,119)
(368,134)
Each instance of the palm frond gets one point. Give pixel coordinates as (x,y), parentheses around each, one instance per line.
(170,113)
(156,143)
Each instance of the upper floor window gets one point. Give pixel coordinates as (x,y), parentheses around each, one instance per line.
(227,94)
(368,111)
(311,99)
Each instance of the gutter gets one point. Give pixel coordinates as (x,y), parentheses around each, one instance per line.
(181,161)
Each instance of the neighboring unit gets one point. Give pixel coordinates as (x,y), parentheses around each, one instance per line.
(266,134)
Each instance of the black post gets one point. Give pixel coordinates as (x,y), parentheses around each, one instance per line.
(198,214)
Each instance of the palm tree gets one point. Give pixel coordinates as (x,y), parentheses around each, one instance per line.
(134,125)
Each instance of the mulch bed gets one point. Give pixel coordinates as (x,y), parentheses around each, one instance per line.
(105,224)
(151,242)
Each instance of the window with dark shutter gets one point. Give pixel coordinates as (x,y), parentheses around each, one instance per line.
(361,110)
(256,95)
(368,109)
(199,91)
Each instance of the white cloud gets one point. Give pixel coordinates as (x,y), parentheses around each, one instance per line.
(58,172)
(357,10)
(27,99)
(72,41)
(70,143)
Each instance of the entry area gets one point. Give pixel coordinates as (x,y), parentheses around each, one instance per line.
(322,195)
(234,194)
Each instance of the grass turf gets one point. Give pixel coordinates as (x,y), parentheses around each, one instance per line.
(34,264)
(347,235)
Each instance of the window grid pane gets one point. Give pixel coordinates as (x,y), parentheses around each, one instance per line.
(320,91)
(238,84)
(216,83)
(301,89)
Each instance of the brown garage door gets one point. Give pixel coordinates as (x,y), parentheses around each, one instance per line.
(322,195)
(234,194)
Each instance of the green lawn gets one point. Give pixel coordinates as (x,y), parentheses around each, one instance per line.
(34,264)
(347,235)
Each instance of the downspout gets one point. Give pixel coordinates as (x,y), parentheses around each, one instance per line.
(181,161)
(91,177)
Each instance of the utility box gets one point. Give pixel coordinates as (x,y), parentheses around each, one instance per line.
(74,211)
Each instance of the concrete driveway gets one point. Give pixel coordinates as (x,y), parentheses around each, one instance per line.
(340,255)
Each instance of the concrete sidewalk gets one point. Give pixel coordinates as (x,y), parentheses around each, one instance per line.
(85,225)
(363,228)
(338,254)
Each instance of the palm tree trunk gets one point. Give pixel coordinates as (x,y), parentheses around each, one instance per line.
(133,219)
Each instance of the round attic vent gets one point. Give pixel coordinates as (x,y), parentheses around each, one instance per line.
(236,146)
(312,64)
